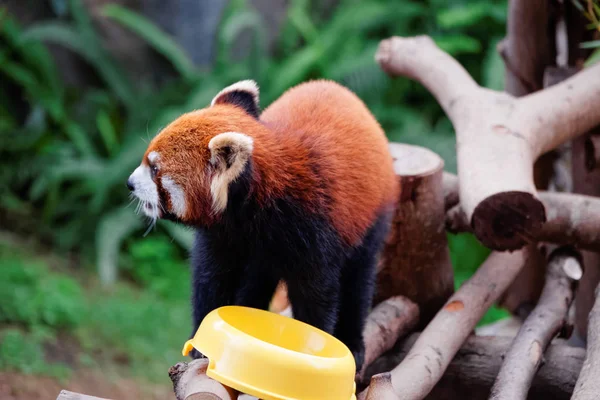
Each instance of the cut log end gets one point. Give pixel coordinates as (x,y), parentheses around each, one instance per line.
(415,161)
(508,220)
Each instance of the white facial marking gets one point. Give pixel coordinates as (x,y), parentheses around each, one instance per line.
(241,148)
(178,206)
(145,190)
(248,85)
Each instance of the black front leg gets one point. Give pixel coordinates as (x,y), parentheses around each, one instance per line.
(215,280)
(315,300)
(257,286)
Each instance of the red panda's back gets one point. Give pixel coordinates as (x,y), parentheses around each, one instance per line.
(351,148)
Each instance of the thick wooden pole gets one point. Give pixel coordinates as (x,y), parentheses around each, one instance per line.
(416,250)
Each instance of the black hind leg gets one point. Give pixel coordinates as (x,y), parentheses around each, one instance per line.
(257,287)
(358,287)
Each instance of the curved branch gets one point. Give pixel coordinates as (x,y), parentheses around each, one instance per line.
(549,316)
(563,111)
(498,136)
(405,56)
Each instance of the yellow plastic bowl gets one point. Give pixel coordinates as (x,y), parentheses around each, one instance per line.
(274,357)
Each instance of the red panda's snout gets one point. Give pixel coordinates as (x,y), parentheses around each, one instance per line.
(143,186)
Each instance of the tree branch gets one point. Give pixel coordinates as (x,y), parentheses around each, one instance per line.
(499,137)
(573,219)
(588,384)
(429,357)
(472,371)
(398,56)
(389,321)
(549,316)
(190,382)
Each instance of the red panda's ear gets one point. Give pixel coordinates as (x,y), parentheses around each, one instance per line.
(243,94)
(230,152)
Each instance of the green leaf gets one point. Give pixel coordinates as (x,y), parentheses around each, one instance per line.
(593,59)
(467,15)
(158,39)
(493,68)
(62,34)
(107,132)
(590,45)
(457,44)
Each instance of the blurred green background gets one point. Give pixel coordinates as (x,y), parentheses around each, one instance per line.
(84,86)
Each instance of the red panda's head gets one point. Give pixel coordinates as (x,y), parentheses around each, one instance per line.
(187,168)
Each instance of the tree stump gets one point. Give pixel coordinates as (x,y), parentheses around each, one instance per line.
(416,250)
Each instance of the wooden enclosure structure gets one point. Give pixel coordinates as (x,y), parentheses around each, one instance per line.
(545,268)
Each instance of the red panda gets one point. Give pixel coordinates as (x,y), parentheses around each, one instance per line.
(302,193)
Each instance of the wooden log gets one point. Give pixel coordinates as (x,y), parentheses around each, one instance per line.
(573,219)
(66,395)
(527,50)
(547,319)
(499,136)
(472,371)
(586,181)
(427,360)
(528,47)
(388,321)
(416,248)
(190,382)
(588,384)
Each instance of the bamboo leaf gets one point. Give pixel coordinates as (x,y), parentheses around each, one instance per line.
(158,39)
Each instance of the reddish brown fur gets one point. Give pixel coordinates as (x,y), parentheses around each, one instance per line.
(319,122)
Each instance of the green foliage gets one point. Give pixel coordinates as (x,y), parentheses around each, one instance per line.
(74,149)
(146,328)
(31,296)
(154,36)
(591,11)
(157,265)
(23,352)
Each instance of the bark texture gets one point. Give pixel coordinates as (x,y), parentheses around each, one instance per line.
(573,219)
(416,248)
(498,135)
(389,321)
(427,360)
(472,371)
(586,181)
(588,384)
(190,382)
(547,319)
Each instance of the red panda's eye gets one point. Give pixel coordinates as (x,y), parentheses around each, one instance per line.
(154,170)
